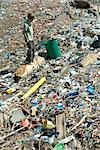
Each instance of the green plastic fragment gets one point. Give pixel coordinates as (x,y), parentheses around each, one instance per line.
(59,146)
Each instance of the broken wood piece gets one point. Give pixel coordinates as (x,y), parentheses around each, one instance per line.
(79,123)
(33,89)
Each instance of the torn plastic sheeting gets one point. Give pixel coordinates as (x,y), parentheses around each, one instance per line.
(34,88)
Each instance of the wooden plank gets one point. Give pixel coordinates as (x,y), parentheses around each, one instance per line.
(60,125)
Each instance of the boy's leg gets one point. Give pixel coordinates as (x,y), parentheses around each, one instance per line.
(30,52)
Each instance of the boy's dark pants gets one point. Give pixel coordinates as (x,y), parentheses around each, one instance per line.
(30,52)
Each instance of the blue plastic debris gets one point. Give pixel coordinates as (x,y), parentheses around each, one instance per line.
(91,89)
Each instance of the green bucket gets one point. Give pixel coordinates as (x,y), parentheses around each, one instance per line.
(53,49)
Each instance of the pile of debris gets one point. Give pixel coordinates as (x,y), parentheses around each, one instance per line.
(50,104)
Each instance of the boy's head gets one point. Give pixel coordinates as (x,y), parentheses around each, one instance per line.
(30,17)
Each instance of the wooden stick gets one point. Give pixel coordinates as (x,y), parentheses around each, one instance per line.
(11,133)
(79,123)
(25,109)
(82,120)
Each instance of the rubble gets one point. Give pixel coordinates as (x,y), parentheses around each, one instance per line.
(63,113)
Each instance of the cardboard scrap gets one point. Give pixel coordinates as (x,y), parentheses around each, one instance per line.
(89,59)
(26,69)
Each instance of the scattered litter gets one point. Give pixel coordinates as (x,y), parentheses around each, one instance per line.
(52,103)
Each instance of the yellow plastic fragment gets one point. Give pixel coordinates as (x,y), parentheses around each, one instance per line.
(34,88)
(11,90)
(48,124)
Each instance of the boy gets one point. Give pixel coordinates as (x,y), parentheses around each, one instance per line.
(28,34)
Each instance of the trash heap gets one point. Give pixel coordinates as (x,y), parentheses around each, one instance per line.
(64,112)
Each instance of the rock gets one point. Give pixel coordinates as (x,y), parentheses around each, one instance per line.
(80,4)
(95,44)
